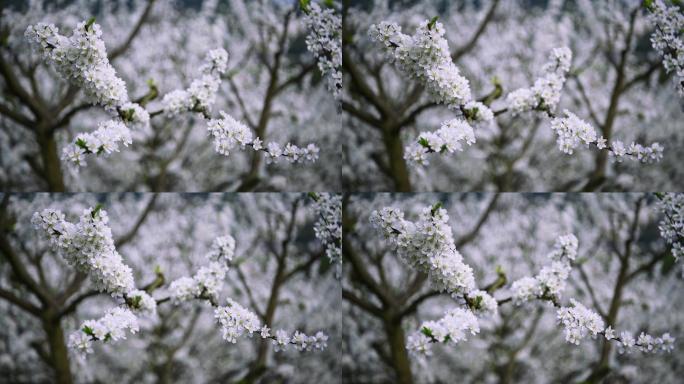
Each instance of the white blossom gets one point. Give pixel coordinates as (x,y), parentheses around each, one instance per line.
(223,249)
(88,246)
(427,245)
(452,328)
(667,39)
(482,302)
(229,134)
(328,226)
(324,41)
(447,139)
(112,326)
(672,225)
(425,56)
(546,91)
(236,321)
(81,58)
(579,321)
(141,302)
(104,140)
(549,283)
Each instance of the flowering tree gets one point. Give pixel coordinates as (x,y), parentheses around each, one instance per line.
(148,269)
(496,85)
(510,286)
(172,81)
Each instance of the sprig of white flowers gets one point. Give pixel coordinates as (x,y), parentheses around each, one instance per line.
(234,319)
(428,246)
(667,39)
(579,322)
(425,57)
(88,246)
(82,59)
(229,133)
(550,282)
(324,41)
(328,226)
(546,92)
(672,225)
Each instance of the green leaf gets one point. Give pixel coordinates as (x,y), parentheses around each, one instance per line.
(432,22)
(435,208)
(648,4)
(423,141)
(81,144)
(313,196)
(88,331)
(95,211)
(427,332)
(304,4)
(90,23)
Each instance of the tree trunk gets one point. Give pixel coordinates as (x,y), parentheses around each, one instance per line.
(51,162)
(58,351)
(400,358)
(397,164)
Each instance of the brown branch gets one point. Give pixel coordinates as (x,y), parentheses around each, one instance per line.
(23,304)
(17,116)
(480,30)
(141,219)
(361,303)
(470,236)
(116,52)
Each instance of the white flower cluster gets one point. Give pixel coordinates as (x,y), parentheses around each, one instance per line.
(201,94)
(205,284)
(667,39)
(141,302)
(646,343)
(482,302)
(324,41)
(88,246)
(105,139)
(579,321)
(112,327)
(328,227)
(453,327)
(672,225)
(425,56)
(550,282)
(135,115)
(635,151)
(546,92)
(447,139)
(81,58)
(236,321)
(427,245)
(208,280)
(477,112)
(223,249)
(573,131)
(229,133)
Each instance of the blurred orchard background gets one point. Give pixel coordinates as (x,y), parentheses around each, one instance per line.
(280,272)
(616,83)
(272,84)
(625,272)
